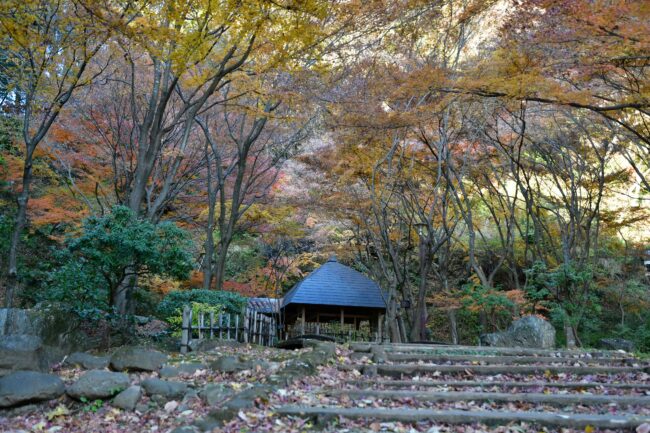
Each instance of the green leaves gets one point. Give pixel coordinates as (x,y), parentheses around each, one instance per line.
(231,302)
(119,244)
(110,249)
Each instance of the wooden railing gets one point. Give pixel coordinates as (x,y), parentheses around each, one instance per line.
(252,327)
(340,333)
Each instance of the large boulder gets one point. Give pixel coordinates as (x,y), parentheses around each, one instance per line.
(58,330)
(166,389)
(137,359)
(21,352)
(128,398)
(97,384)
(617,344)
(529,331)
(183,369)
(229,364)
(87,361)
(215,393)
(29,386)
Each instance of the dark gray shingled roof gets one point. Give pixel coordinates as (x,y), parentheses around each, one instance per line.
(263,305)
(336,284)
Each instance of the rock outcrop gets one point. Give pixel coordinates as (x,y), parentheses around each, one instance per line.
(529,331)
(48,333)
(617,344)
(22,352)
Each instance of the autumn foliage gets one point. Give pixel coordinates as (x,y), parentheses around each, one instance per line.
(480,159)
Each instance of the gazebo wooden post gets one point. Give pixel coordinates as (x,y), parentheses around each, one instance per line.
(302,321)
(342,318)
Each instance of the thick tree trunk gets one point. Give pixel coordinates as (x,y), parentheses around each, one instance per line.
(392,323)
(121,296)
(19,225)
(418,331)
(220,269)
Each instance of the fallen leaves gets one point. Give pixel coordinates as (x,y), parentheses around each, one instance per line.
(60,410)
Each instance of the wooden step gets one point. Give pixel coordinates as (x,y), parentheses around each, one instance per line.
(487,350)
(498,384)
(398,370)
(506,360)
(469,417)
(501,397)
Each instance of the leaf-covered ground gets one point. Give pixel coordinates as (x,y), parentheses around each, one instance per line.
(66,415)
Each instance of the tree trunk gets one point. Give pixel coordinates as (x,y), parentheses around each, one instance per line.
(570,333)
(19,225)
(418,329)
(220,268)
(208,261)
(209,228)
(121,296)
(453,326)
(483,321)
(402,329)
(391,322)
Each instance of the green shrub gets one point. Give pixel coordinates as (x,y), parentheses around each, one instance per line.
(176,320)
(232,303)
(118,245)
(78,286)
(93,264)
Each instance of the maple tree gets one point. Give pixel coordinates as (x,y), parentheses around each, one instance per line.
(47,50)
(477,171)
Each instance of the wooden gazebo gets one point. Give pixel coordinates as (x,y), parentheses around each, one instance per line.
(337,301)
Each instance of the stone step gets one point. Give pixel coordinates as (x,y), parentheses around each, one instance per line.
(501,397)
(499,384)
(507,360)
(398,370)
(486,350)
(468,417)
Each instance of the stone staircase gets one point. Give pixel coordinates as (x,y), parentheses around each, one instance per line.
(483,385)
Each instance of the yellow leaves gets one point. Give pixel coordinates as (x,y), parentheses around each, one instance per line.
(39,427)
(59,411)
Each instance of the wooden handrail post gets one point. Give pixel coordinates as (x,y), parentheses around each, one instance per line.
(186,329)
(211,324)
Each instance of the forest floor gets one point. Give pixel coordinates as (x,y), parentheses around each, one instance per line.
(363,388)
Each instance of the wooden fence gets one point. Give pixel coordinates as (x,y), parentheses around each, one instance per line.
(252,327)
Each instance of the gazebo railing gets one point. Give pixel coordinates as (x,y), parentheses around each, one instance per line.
(341,333)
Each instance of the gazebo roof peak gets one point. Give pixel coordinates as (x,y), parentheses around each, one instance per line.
(335,284)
